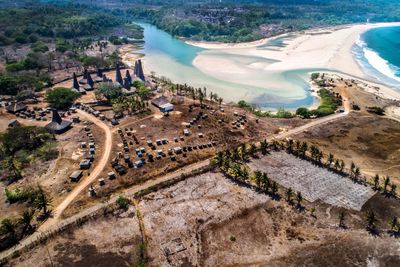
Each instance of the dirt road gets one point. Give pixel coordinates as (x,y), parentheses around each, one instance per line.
(89,179)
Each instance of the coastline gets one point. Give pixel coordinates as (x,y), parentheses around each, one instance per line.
(325,49)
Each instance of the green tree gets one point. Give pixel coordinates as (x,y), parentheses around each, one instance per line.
(61,97)
(8,228)
(109,91)
(386,183)
(342,216)
(289,195)
(42,200)
(26,220)
(371,221)
(299,198)
(122,202)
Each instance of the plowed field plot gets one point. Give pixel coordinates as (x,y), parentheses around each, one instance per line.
(312,181)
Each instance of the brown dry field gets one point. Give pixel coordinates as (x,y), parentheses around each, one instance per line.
(159,127)
(112,240)
(53,175)
(370,141)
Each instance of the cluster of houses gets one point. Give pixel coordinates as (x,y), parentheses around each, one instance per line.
(87,83)
(90,147)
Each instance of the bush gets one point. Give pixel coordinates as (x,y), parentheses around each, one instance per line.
(39,47)
(20,195)
(303,112)
(377,110)
(122,202)
(61,97)
(314,76)
(14,67)
(47,152)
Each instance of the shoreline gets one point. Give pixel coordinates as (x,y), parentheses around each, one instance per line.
(320,50)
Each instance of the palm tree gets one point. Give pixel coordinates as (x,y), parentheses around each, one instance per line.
(342,165)
(352,167)
(290,145)
(7,227)
(289,195)
(386,182)
(42,201)
(264,147)
(253,150)
(266,182)
(299,198)
(376,182)
(274,188)
(258,177)
(337,164)
(394,223)
(393,190)
(356,173)
(26,220)
(371,221)
(342,216)
(330,160)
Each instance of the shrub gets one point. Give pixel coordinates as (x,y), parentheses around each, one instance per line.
(47,152)
(123,202)
(303,112)
(377,110)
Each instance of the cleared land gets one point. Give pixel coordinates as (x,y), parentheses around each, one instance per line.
(113,240)
(313,182)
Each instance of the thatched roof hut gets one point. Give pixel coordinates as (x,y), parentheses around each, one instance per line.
(57,124)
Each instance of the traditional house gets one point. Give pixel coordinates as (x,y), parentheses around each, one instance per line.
(85,76)
(139,70)
(118,76)
(99,76)
(163,104)
(76,87)
(58,125)
(90,83)
(128,77)
(15,108)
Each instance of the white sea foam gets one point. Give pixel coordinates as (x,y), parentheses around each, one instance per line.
(375,61)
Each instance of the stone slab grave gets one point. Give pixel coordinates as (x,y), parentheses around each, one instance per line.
(312,181)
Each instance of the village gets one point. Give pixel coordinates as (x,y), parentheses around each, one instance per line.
(158,137)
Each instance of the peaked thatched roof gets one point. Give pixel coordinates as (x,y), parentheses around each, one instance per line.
(57,124)
(15,107)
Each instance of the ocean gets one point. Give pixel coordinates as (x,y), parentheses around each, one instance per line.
(378,53)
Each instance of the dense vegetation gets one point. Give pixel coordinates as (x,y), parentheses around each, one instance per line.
(19,146)
(61,98)
(238,21)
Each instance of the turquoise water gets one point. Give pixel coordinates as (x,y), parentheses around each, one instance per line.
(173,58)
(377,52)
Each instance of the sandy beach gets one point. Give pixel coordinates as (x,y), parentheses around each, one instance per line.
(325,49)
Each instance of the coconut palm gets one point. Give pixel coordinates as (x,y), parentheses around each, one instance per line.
(266,182)
(274,188)
(26,220)
(258,177)
(299,199)
(42,201)
(7,227)
(342,216)
(337,164)
(330,160)
(376,182)
(386,183)
(371,221)
(393,190)
(394,224)
(264,147)
(289,195)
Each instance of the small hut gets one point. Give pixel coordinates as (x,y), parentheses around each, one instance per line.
(90,83)
(14,124)
(58,125)
(15,108)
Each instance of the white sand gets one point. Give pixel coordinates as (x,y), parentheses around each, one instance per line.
(320,49)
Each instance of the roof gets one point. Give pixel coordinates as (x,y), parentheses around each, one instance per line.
(76,174)
(58,125)
(160,101)
(14,123)
(15,107)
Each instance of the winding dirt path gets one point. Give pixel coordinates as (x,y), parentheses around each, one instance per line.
(89,179)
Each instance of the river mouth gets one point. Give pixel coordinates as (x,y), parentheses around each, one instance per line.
(233,75)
